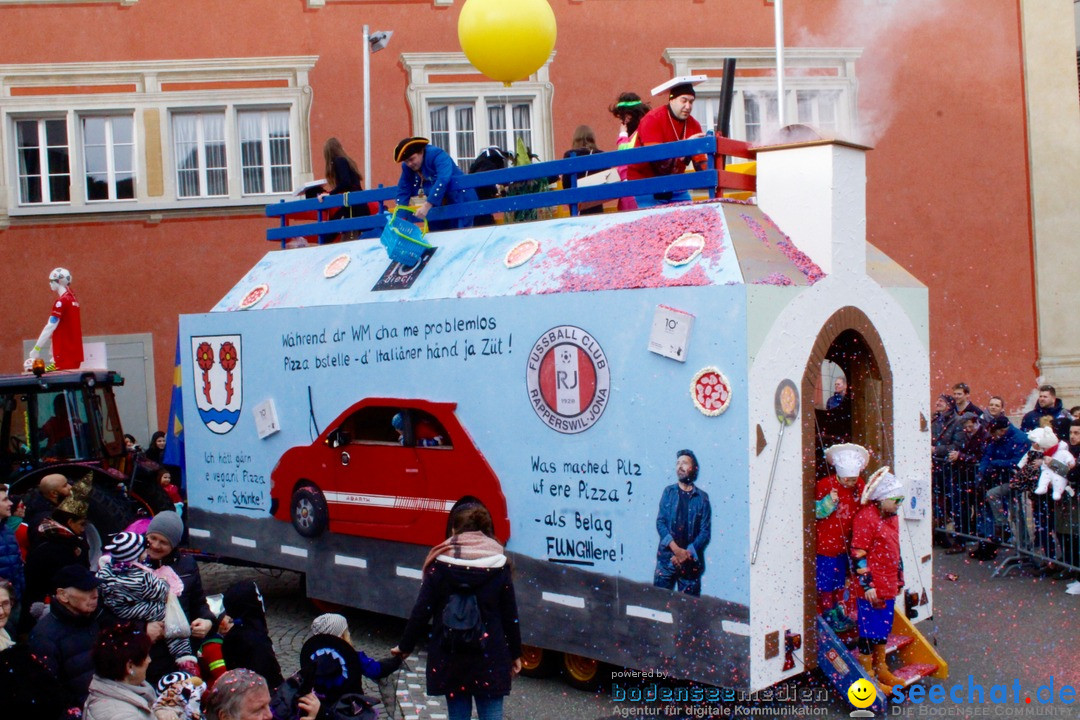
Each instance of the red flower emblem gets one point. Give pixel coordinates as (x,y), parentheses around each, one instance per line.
(227,356)
(204,356)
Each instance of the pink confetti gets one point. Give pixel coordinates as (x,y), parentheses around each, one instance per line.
(586,262)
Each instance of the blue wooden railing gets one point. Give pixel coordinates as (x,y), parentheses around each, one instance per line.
(710,179)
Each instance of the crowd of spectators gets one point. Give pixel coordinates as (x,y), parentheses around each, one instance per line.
(124,631)
(996,484)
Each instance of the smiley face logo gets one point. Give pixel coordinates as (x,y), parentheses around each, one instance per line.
(862,693)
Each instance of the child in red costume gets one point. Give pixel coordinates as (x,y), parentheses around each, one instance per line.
(875,553)
(837,500)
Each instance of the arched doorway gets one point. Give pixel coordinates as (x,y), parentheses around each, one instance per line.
(851,343)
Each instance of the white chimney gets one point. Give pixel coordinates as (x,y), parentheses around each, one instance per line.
(816,193)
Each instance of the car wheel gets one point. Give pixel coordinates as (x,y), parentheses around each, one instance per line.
(309,515)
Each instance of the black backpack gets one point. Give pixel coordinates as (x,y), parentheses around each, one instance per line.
(463,625)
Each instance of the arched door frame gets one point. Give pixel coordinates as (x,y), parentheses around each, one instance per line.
(862,337)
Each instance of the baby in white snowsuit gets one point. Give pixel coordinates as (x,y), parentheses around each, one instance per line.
(1057,461)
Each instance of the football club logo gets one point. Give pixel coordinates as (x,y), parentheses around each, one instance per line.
(568,379)
(215,363)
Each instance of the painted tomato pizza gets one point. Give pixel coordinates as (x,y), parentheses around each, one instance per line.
(254,295)
(711,391)
(684,249)
(335,266)
(521,253)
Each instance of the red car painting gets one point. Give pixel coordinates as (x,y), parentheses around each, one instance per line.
(386,468)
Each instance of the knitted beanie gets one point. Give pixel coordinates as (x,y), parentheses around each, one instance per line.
(329,624)
(126,547)
(167,524)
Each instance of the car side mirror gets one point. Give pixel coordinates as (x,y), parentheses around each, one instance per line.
(338,438)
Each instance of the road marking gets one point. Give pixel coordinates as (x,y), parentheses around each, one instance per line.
(198,532)
(736,628)
(410,573)
(350,561)
(293,550)
(650,614)
(243,542)
(567,600)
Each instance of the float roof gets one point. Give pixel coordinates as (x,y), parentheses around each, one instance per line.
(610,251)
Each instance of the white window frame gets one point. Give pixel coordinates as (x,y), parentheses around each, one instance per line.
(110,146)
(425,92)
(43,159)
(202,168)
(808,70)
(264,141)
(157,88)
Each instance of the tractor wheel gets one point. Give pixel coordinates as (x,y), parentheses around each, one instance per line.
(536,662)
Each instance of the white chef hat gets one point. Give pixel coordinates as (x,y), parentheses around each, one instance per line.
(849,459)
(882,485)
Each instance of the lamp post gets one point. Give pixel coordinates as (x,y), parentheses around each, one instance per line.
(778,19)
(373,42)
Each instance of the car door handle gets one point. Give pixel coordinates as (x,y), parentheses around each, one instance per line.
(345,458)
(412,470)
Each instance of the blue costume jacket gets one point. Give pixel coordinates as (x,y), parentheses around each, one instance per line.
(434,177)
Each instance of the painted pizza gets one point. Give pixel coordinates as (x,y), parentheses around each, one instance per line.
(254,295)
(683,251)
(521,253)
(335,266)
(711,391)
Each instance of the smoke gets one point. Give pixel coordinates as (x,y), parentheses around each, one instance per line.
(887,31)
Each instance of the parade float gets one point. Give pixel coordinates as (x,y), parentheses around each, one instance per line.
(561,365)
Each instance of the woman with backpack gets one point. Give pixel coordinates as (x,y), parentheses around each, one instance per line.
(468,594)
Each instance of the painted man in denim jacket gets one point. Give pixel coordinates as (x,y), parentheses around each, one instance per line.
(684,523)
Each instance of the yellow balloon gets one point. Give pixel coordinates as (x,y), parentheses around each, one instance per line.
(507,40)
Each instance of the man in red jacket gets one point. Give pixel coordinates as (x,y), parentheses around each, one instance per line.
(669,123)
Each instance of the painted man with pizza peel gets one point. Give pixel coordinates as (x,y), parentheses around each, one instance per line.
(684,523)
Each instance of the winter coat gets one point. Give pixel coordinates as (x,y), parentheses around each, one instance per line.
(946,433)
(27,689)
(38,510)
(1060,418)
(248,644)
(112,700)
(57,548)
(193,602)
(132,593)
(11,562)
(1002,454)
(63,641)
(487,673)
(971,450)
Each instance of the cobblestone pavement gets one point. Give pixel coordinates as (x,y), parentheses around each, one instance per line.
(288,618)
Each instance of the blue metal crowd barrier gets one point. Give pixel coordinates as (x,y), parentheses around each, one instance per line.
(1031,529)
